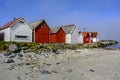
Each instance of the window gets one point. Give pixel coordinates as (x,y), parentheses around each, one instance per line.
(43,25)
(22,22)
(21,37)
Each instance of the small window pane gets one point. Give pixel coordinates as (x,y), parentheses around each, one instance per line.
(21,37)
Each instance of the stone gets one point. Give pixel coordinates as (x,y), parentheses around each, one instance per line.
(54,71)
(54,50)
(7,54)
(10,60)
(20,55)
(35,69)
(92,70)
(19,77)
(45,54)
(48,64)
(45,72)
(58,63)
(12,55)
(11,67)
(34,62)
(27,63)
(13,48)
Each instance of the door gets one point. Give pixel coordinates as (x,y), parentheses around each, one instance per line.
(1,36)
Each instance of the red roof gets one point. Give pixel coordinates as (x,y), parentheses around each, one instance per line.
(9,24)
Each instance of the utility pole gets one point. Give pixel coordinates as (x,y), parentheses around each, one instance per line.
(83,28)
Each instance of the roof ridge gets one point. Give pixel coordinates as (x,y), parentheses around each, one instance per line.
(38,20)
(67,25)
(8,24)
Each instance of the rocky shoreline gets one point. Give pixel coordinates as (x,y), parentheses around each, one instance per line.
(80,64)
(57,62)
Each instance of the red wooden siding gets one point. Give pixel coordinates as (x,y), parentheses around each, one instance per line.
(86,37)
(42,33)
(61,36)
(58,37)
(53,38)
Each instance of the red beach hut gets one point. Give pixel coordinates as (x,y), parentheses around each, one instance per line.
(57,35)
(41,32)
(86,37)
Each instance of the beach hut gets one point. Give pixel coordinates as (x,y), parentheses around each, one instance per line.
(80,37)
(57,35)
(88,37)
(94,36)
(41,31)
(18,30)
(71,34)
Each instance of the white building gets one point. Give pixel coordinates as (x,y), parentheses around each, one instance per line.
(17,30)
(72,35)
(88,37)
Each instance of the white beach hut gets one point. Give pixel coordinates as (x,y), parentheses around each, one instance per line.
(72,35)
(17,30)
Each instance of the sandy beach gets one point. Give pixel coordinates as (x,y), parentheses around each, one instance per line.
(81,64)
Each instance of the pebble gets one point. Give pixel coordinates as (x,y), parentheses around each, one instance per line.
(92,70)
(12,55)
(35,69)
(20,55)
(7,54)
(45,72)
(10,61)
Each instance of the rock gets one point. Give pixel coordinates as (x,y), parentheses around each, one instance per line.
(7,54)
(34,58)
(78,50)
(92,70)
(20,64)
(13,48)
(69,70)
(10,61)
(45,54)
(27,63)
(20,55)
(34,62)
(48,64)
(31,55)
(58,63)
(54,71)
(35,69)
(24,48)
(45,72)
(57,52)
(12,55)
(11,67)
(27,50)
(19,77)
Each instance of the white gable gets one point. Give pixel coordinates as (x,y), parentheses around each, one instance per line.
(68,38)
(21,32)
(74,36)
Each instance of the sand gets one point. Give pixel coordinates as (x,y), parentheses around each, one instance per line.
(81,64)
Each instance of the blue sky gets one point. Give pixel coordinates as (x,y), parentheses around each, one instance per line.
(102,16)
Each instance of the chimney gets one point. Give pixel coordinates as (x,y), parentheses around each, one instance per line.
(14,18)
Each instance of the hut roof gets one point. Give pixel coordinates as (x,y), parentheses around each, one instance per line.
(35,24)
(10,23)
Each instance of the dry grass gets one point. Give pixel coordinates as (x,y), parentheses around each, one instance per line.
(38,48)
